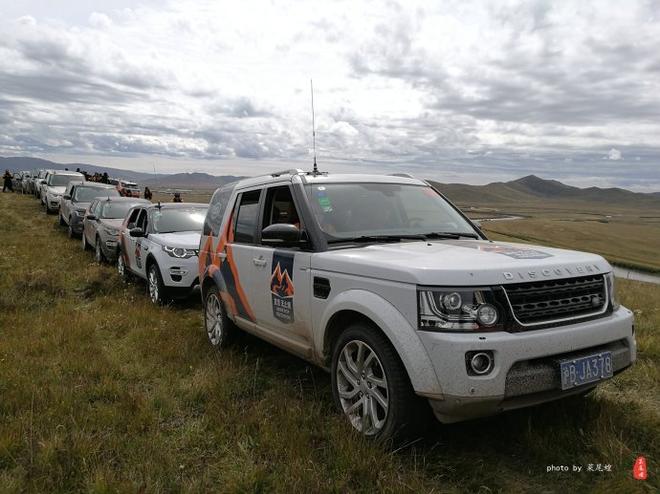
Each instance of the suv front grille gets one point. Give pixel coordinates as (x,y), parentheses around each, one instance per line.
(540,302)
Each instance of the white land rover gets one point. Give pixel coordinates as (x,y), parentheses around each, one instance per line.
(382,281)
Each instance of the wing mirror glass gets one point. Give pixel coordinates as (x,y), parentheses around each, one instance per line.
(136,232)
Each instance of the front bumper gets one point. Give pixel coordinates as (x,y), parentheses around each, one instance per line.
(52,202)
(180,273)
(526,369)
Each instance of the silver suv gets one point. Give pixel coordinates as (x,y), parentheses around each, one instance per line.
(385,283)
(76,200)
(101,224)
(53,188)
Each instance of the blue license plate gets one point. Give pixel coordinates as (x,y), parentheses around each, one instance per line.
(584,370)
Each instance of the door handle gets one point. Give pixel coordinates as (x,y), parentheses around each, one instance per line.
(259,261)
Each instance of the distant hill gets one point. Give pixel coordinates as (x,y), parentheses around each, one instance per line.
(189,180)
(532,189)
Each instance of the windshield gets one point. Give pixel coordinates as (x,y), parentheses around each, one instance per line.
(63,180)
(86,194)
(117,210)
(178,220)
(351,210)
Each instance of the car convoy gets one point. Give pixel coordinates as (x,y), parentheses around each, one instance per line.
(380,280)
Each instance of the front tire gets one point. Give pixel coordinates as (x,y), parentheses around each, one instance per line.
(219,328)
(155,285)
(62,222)
(99,257)
(122,270)
(370,386)
(83,242)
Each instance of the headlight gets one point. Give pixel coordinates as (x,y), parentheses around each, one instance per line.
(459,309)
(611,290)
(180,252)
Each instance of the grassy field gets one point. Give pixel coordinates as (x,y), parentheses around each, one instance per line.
(102,392)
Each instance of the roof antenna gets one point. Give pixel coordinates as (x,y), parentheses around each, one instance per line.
(316,168)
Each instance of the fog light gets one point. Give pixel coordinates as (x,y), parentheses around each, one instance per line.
(487,315)
(480,363)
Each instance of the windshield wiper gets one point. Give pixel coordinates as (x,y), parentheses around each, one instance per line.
(379,238)
(451,235)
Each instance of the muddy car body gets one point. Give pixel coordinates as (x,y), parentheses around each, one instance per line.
(385,283)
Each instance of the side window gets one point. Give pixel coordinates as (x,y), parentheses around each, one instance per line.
(97,208)
(70,190)
(280,207)
(142,220)
(217,208)
(133,218)
(246,217)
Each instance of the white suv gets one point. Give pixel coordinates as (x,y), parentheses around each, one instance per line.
(55,186)
(382,281)
(159,243)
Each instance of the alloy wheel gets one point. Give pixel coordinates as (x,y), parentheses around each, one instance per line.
(98,254)
(154,289)
(214,319)
(362,387)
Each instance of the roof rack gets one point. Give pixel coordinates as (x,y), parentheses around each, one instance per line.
(291,171)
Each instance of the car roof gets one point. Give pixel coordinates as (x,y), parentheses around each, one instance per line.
(66,172)
(95,185)
(179,205)
(327,178)
(136,200)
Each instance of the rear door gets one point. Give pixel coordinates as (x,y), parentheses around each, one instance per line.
(241,256)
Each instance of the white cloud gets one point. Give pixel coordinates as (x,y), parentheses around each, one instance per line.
(508,85)
(614,154)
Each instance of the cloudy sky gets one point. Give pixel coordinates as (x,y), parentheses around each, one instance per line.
(453,90)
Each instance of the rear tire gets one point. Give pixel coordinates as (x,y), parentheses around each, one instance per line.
(70,232)
(220,329)
(62,222)
(371,387)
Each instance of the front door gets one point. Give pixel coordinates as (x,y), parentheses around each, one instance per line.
(281,285)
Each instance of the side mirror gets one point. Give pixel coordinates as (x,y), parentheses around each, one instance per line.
(280,234)
(66,197)
(91,217)
(136,232)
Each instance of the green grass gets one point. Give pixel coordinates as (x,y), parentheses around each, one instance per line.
(102,392)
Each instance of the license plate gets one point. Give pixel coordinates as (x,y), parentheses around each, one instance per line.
(585,370)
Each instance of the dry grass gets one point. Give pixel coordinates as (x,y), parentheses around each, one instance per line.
(102,392)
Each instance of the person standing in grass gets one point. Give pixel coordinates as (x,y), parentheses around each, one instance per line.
(7,182)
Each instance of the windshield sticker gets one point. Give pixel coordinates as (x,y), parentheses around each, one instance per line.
(323,200)
(507,250)
(281,286)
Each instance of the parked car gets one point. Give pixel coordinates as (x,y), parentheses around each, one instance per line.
(17,181)
(54,187)
(159,243)
(76,200)
(128,189)
(26,178)
(101,224)
(40,183)
(385,283)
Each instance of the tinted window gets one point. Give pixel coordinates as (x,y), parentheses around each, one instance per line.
(86,194)
(280,207)
(217,209)
(178,220)
(246,217)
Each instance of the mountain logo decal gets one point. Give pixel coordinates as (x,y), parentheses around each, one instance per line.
(282,288)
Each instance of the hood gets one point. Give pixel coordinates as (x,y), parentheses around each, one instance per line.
(80,205)
(56,190)
(187,240)
(112,223)
(460,262)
